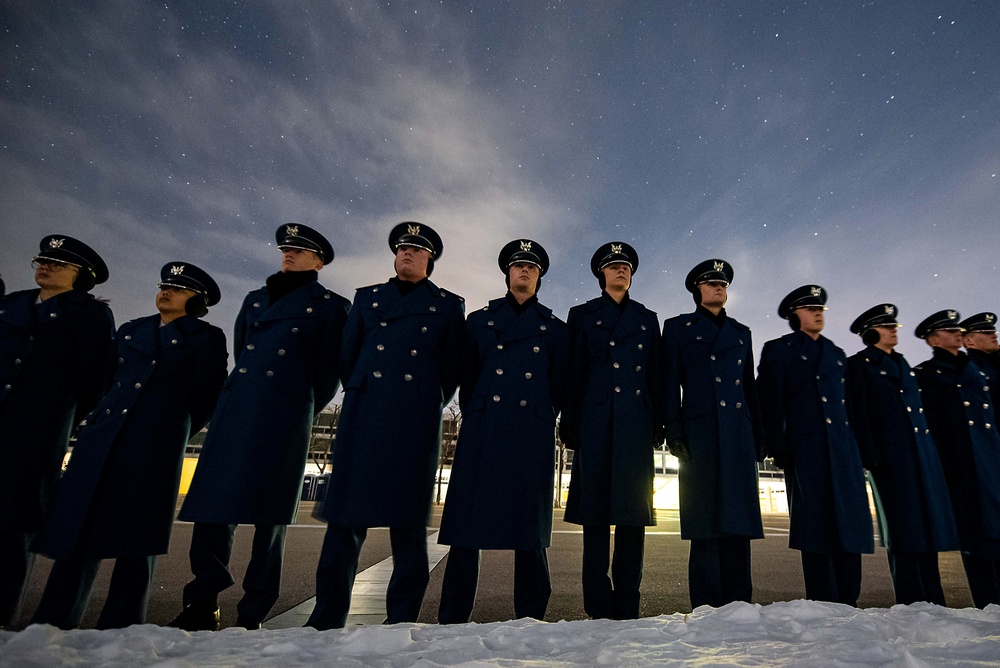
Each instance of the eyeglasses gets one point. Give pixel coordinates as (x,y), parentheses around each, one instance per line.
(51,265)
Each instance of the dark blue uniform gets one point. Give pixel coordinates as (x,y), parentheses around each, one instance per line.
(251,466)
(502,479)
(118,496)
(615,391)
(961,417)
(710,403)
(55,360)
(401,359)
(915,517)
(806,409)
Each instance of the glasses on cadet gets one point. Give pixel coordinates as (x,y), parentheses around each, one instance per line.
(51,265)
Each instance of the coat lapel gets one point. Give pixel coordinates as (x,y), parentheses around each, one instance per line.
(296,304)
(145,336)
(729,336)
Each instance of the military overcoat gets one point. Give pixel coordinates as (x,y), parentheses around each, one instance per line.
(911,497)
(118,495)
(502,481)
(802,385)
(710,402)
(251,466)
(401,359)
(55,361)
(960,414)
(614,395)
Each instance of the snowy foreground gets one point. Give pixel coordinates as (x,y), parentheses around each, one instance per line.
(794,633)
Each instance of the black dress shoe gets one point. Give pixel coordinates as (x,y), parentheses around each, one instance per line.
(195,618)
(245,623)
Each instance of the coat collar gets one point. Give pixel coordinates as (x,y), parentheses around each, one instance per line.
(509,326)
(425,298)
(296,304)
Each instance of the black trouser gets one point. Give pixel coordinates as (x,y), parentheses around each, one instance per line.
(338,566)
(616,597)
(915,577)
(211,549)
(832,576)
(68,590)
(15,564)
(983,574)
(532,586)
(719,571)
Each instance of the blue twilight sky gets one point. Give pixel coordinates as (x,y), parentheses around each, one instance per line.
(851,144)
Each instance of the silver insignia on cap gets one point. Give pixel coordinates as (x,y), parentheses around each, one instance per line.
(413,229)
(292,230)
(952,315)
(989,317)
(719,266)
(526,245)
(616,248)
(890,310)
(815,291)
(177,269)
(56,243)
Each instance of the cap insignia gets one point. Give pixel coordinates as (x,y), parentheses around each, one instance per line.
(413,229)
(616,248)
(292,230)
(815,291)
(177,269)
(890,310)
(526,246)
(56,243)
(719,266)
(990,317)
(952,315)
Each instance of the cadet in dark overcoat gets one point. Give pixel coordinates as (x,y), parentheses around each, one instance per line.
(502,479)
(980,342)
(713,426)
(401,364)
(56,352)
(117,498)
(251,466)
(915,517)
(808,414)
(612,423)
(962,420)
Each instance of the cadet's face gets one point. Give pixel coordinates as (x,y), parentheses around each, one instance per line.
(411,263)
(296,259)
(55,275)
(713,293)
(950,339)
(523,277)
(888,335)
(985,341)
(811,319)
(170,301)
(618,276)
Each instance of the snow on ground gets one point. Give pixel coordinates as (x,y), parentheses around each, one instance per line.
(781,634)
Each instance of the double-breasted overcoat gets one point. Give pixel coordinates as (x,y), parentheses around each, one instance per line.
(251,466)
(911,497)
(513,383)
(960,414)
(710,403)
(612,408)
(118,495)
(401,359)
(55,361)
(808,413)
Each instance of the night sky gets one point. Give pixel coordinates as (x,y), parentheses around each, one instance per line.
(851,144)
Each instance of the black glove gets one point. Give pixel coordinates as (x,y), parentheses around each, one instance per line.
(678,448)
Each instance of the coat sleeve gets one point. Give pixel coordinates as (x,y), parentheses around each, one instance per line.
(210,367)
(351,340)
(454,339)
(95,356)
(671,408)
(326,373)
(576,380)
(240,329)
(937,414)
(654,377)
(558,369)
(470,367)
(753,402)
(857,413)
(771,394)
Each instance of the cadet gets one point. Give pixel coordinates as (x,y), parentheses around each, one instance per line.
(251,466)
(400,360)
(500,490)
(713,427)
(118,496)
(807,420)
(612,423)
(980,342)
(56,351)
(914,511)
(960,414)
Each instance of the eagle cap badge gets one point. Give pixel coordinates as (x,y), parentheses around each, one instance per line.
(616,248)
(526,246)
(952,315)
(292,230)
(413,229)
(56,243)
(990,317)
(890,310)
(719,266)
(815,291)
(177,269)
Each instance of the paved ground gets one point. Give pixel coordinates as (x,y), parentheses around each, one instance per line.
(777,573)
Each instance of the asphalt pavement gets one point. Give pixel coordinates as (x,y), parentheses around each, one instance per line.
(777,573)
